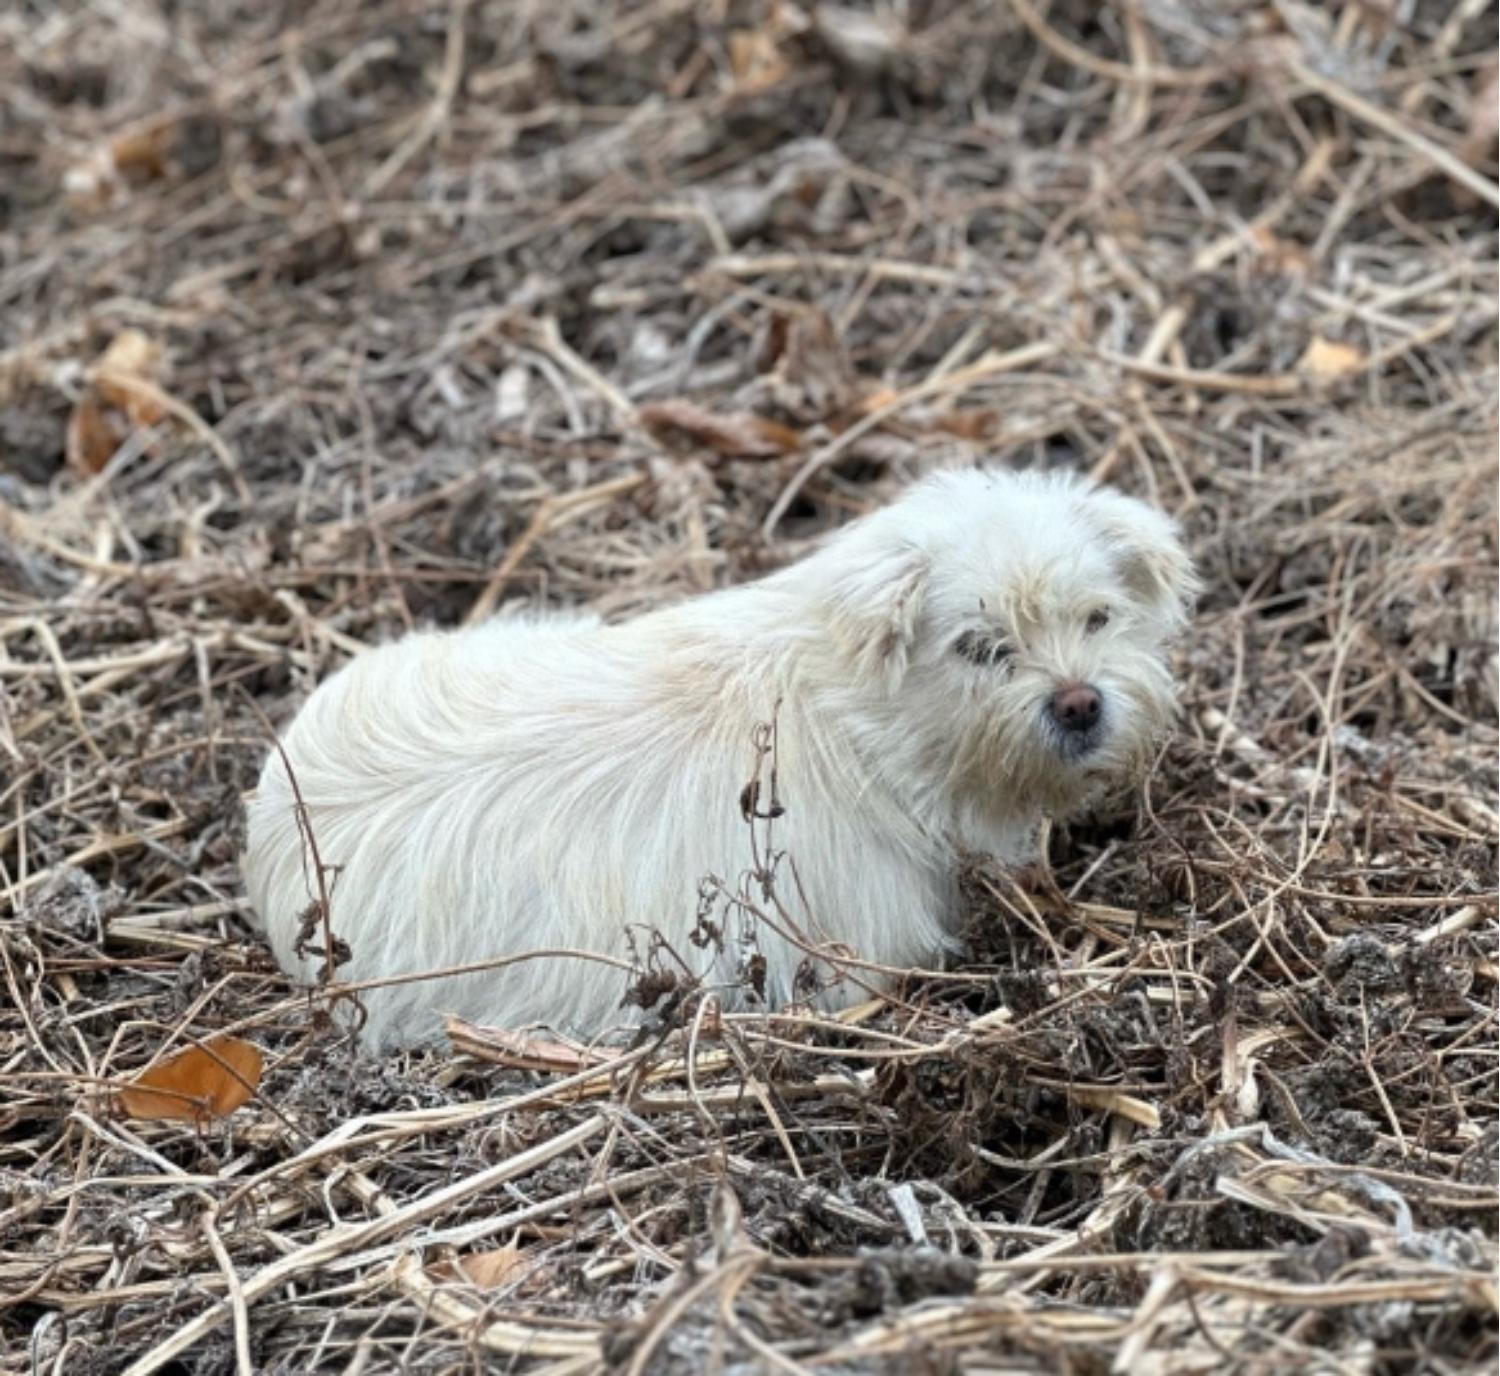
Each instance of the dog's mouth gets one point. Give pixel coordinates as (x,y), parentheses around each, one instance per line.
(1077,746)
(1074,746)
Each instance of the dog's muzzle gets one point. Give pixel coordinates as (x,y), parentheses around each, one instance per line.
(1075,714)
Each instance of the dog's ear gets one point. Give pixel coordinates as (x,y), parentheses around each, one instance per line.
(874,598)
(1154,567)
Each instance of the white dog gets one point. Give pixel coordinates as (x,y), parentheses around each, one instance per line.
(942,674)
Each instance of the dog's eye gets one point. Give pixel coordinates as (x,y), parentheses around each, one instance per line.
(1098,620)
(978,648)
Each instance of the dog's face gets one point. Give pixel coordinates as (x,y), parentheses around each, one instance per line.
(1017,625)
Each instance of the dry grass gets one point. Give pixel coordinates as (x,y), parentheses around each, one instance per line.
(467,305)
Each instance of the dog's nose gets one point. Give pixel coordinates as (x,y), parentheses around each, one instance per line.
(1076,707)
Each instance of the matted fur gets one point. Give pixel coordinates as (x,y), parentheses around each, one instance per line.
(534,784)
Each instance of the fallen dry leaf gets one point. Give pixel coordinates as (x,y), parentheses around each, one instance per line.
(485,1270)
(1278,254)
(143,152)
(124,377)
(755,60)
(93,435)
(684,427)
(122,395)
(970,422)
(1328,358)
(207,1081)
(137,155)
(808,373)
(131,352)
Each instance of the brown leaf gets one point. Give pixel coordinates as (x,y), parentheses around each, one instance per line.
(971,422)
(143,152)
(1278,254)
(93,435)
(139,398)
(207,1081)
(137,155)
(485,1270)
(130,352)
(123,377)
(755,60)
(1328,358)
(684,427)
(809,377)
(121,395)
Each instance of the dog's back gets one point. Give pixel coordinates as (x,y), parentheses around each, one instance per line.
(401,760)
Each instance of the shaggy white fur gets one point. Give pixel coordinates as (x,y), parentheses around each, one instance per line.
(943,673)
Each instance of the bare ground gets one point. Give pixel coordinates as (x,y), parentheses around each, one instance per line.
(416,310)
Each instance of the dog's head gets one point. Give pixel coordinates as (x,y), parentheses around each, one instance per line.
(1016,625)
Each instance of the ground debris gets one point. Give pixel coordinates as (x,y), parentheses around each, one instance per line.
(433,309)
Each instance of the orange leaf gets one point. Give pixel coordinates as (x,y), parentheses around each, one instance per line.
(137,155)
(755,60)
(206,1081)
(130,352)
(121,389)
(123,377)
(485,1270)
(137,397)
(143,152)
(1327,358)
(1278,254)
(971,422)
(683,426)
(93,436)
